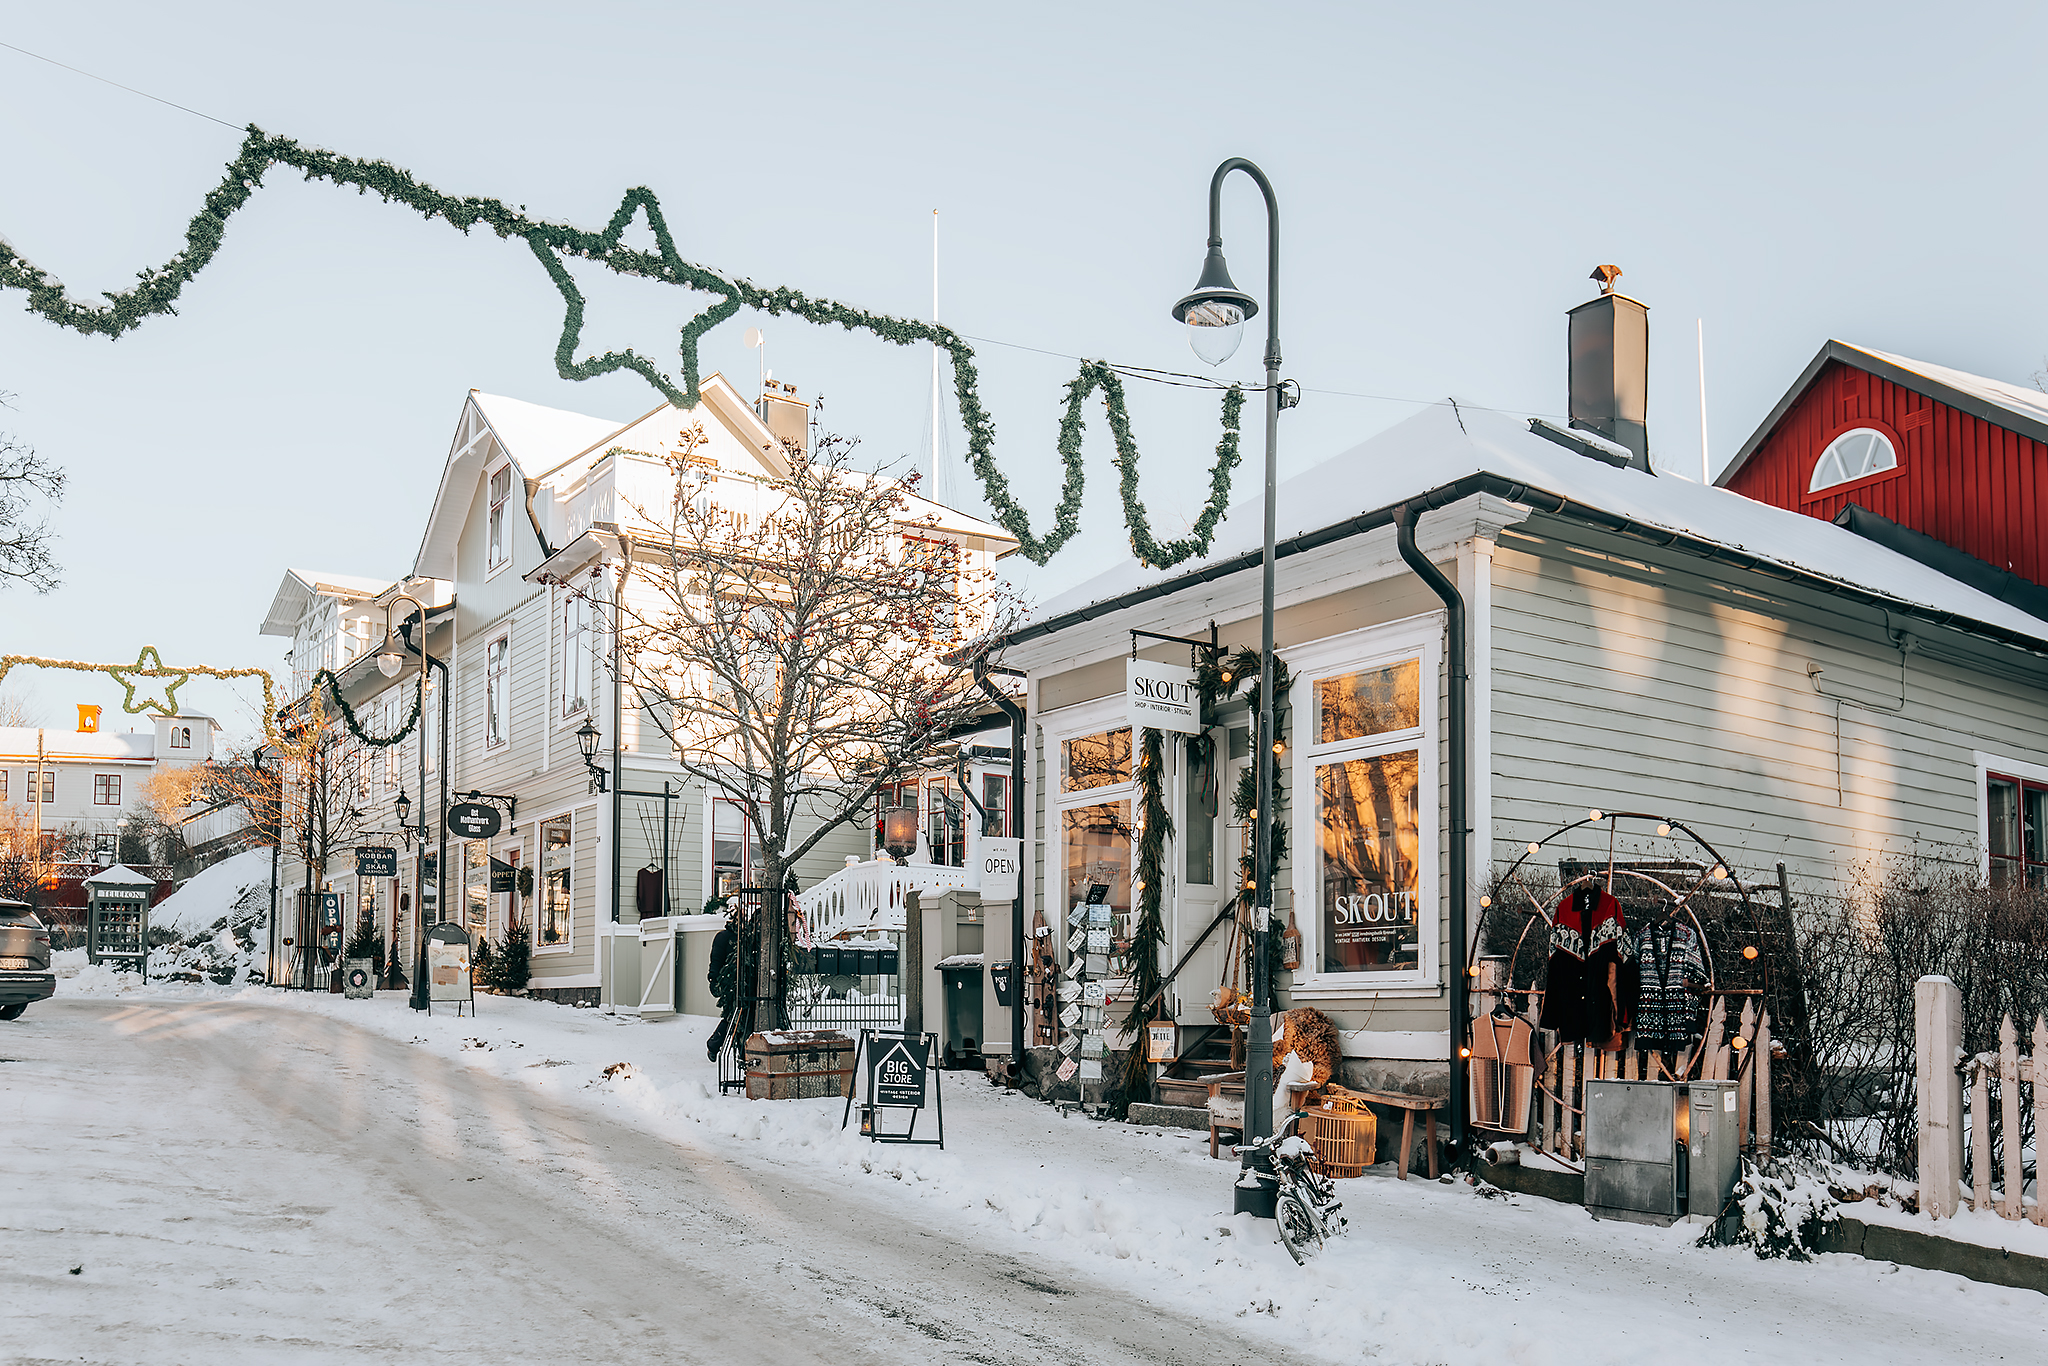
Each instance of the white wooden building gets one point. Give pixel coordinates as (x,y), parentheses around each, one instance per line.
(1635,642)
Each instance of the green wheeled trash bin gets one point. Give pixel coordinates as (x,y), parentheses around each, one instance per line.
(960,979)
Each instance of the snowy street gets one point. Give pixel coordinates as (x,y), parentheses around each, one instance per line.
(350,1197)
(270,1177)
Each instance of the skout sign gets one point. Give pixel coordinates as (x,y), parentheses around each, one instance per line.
(1162,696)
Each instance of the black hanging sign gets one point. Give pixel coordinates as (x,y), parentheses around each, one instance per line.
(474,820)
(376,861)
(504,876)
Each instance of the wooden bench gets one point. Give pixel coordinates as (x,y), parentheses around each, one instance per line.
(1408,1105)
(1231,1087)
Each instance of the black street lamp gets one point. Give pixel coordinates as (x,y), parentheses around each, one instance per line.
(586,741)
(402,804)
(1215,312)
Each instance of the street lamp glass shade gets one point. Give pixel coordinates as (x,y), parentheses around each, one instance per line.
(586,740)
(389,662)
(1214,330)
(402,804)
(899,831)
(1215,311)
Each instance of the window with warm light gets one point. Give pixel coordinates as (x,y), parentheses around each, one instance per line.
(557,848)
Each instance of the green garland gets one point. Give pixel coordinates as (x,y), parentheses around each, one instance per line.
(348,713)
(1141,958)
(159,287)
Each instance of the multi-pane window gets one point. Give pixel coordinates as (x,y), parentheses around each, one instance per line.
(557,846)
(2018,831)
(1099,760)
(1366,754)
(476,887)
(106,789)
(49,784)
(937,564)
(501,492)
(576,654)
(181,737)
(497,659)
(3,784)
(945,824)
(735,848)
(995,805)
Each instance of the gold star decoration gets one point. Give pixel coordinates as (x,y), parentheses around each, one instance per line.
(149,664)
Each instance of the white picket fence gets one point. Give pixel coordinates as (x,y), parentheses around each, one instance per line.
(1941,1070)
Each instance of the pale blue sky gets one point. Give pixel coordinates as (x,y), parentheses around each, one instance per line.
(1447,179)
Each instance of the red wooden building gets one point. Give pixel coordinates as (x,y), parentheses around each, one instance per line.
(1953,456)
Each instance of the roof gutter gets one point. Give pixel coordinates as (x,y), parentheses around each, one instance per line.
(1541,500)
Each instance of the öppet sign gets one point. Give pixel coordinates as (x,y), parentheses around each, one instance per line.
(1162,696)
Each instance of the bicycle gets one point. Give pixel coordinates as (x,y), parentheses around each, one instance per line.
(1306,1207)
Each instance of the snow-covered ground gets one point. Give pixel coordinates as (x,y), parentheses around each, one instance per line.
(215,892)
(1428,1272)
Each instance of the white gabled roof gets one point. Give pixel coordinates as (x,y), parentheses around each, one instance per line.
(301,586)
(119,875)
(535,437)
(1443,444)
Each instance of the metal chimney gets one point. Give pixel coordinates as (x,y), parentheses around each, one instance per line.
(1610,368)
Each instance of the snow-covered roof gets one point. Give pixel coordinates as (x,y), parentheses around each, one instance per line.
(1443,444)
(18,744)
(120,875)
(2014,407)
(536,436)
(300,586)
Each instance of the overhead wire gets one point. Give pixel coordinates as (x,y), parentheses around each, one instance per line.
(118,86)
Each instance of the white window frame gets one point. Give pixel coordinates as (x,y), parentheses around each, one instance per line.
(1842,476)
(497,521)
(540,888)
(1068,723)
(579,656)
(498,707)
(1419,638)
(1988,764)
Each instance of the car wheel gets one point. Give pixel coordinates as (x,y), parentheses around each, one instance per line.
(13,1011)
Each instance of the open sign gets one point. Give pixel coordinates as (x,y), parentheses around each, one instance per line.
(1002,868)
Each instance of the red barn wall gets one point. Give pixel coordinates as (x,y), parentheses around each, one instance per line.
(1975,486)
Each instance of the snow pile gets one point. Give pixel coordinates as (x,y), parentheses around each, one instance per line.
(216,968)
(236,889)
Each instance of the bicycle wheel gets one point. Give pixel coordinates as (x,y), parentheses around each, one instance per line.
(1299,1228)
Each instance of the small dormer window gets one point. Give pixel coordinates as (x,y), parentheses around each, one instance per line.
(1852,455)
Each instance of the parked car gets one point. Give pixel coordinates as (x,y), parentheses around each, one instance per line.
(25,974)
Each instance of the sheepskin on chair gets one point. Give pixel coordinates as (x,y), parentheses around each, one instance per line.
(1309,1036)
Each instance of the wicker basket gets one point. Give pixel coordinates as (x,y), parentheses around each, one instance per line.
(1344,1134)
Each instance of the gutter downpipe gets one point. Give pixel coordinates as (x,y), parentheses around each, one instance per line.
(1461,824)
(1016,823)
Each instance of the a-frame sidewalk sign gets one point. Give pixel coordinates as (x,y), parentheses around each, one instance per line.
(893,1072)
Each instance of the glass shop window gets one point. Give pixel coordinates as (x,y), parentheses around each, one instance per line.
(557,850)
(735,848)
(1099,760)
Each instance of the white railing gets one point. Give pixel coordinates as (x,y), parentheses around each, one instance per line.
(869,896)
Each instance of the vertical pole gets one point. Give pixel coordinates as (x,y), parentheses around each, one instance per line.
(913,965)
(935,493)
(1706,470)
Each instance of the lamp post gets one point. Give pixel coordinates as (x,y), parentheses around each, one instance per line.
(1215,312)
(391,659)
(257,757)
(587,738)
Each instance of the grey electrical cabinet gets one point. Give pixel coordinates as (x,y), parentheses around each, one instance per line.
(1657,1151)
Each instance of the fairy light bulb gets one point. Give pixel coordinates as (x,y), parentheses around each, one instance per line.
(1749,951)
(1534,847)
(1484,902)
(1664,829)
(1594,814)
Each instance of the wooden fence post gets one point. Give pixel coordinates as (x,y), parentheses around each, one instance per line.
(2009,1114)
(1937,1039)
(1763,1089)
(2039,1067)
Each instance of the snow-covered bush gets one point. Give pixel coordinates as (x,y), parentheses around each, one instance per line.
(1781,1213)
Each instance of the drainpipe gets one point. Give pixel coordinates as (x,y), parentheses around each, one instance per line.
(1016,823)
(1461,815)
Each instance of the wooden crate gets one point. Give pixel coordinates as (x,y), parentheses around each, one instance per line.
(799,1064)
(1345,1136)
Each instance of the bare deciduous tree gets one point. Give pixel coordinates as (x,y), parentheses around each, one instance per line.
(790,636)
(24,541)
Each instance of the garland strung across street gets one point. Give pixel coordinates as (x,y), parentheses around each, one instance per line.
(157,290)
(354,724)
(149,664)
